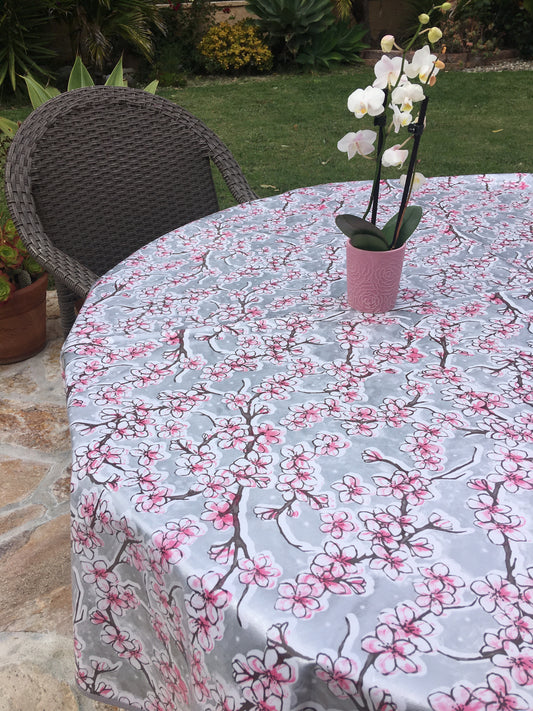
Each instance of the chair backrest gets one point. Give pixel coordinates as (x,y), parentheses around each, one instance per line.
(100,171)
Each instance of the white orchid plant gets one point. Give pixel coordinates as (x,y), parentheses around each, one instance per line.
(390,100)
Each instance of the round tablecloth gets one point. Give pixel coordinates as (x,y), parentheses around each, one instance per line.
(281,504)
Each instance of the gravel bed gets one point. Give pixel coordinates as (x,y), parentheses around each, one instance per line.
(506,65)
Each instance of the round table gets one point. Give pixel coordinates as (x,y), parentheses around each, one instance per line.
(281,504)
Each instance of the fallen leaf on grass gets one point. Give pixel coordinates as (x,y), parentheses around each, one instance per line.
(269,186)
(497,130)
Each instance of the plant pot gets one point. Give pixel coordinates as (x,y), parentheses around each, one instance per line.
(373,278)
(23,322)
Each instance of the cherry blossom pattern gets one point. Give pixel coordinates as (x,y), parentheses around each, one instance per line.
(269,488)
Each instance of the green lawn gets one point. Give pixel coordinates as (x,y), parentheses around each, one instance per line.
(283,129)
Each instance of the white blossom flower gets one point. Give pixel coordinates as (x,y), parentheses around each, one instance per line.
(422,65)
(366,101)
(394,156)
(400,118)
(406,94)
(387,71)
(361,142)
(418,181)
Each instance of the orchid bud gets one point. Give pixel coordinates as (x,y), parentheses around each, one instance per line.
(434,34)
(439,64)
(423,18)
(387,43)
(446,6)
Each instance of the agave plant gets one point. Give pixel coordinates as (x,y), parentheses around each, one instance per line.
(291,24)
(79,77)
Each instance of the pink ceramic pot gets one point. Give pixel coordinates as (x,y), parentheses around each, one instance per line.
(373,278)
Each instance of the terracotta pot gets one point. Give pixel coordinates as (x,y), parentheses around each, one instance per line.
(373,278)
(23,322)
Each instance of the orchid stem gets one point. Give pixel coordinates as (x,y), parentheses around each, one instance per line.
(374,196)
(416,128)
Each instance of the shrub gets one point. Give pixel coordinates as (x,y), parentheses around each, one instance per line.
(23,40)
(100,29)
(308,31)
(486,25)
(177,53)
(235,48)
(506,24)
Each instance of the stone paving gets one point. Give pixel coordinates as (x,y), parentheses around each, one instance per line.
(36,648)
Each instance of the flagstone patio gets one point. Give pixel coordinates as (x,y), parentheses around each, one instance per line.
(36,652)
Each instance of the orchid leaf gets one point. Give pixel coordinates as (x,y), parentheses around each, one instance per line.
(79,76)
(351,225)
(370,242)
(411,218)
(388,229)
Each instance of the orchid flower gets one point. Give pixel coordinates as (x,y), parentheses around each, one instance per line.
(387,72)
(422,65)
(400,118)
(366,101)
(418,181)
(406,95)
(394,156)
(361,143)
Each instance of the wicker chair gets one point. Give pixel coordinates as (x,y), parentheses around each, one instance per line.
(95,173)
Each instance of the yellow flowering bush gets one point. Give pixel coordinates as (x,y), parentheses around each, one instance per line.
(235,48)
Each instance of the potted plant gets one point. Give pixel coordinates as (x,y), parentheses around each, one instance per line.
(23,286)
(374,255)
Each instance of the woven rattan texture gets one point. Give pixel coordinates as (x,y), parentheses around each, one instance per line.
(95,173)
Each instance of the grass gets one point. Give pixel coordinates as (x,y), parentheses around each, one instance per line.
(283,129)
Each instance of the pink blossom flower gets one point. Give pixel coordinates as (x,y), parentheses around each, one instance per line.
(520,662)
(328,444)
(439,577)
(392,563)
(351,489)
(297,598)
(433,599)
(337,523)
(99,573)
(273,673)
(461,699)
(494,591)
(392,653)
(501,527)
(496,696)
(258,570)
(340,675)
(406,623)
(220,513)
